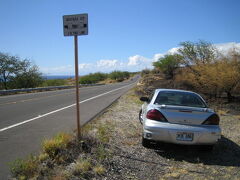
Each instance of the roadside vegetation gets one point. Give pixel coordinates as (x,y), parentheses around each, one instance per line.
(201,68)
(115,76)
(65,157)
(57,82)
(18,73)
(93,78)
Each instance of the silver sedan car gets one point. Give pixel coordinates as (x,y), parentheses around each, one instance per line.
(179,117)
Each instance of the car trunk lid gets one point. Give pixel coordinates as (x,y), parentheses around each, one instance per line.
(184,115)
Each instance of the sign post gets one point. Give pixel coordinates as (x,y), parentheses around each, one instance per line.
(76,25)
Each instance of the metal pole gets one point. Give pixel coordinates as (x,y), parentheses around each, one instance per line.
(77,86)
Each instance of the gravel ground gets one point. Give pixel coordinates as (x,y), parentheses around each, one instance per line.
(131,160)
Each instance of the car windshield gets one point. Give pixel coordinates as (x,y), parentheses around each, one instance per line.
(179,99)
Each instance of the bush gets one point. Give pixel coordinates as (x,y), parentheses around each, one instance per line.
(93,78)
(119,75)
(97,77)
(54,82)
(208,73)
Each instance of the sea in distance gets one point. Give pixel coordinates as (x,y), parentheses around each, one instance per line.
(58,77)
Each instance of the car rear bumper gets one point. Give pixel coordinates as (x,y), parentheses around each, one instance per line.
(167,132)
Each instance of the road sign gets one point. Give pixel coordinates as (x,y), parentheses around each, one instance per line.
(75,25)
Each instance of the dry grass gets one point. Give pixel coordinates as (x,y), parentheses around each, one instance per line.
(99,169)
(81,166)
(24,168)
(58,178)
(52,146)
(43,156)
(222,112)
(237,117)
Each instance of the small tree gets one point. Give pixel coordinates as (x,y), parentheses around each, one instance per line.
(168,64)
(119,75)
(195,57)
(229,73)
(8,68)
(29,78)
(207,71)
(201,52)
(16,73)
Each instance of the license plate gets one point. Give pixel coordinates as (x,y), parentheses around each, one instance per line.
(184,136)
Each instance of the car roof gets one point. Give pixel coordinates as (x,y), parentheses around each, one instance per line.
(174,90)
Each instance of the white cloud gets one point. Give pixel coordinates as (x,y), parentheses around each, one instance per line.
(173,51)
(107,63)
(134,63)
(156,57)
(225,48)
(137,60)
(84,66)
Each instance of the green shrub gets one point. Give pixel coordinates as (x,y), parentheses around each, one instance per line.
(93,78)
(54,82)
(97,77)
(119,75)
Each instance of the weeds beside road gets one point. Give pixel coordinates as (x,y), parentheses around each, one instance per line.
(111,149)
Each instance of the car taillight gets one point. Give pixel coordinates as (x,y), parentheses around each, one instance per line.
(212,120)
(156,115)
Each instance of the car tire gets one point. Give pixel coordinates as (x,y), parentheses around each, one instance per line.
(146,143)
(140,116)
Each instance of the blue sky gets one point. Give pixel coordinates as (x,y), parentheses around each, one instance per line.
(123,35)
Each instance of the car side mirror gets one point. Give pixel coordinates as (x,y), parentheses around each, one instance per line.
(145,99)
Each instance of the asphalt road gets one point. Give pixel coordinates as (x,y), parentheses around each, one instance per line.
(27,119)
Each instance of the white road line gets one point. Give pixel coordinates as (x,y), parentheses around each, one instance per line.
(52,112)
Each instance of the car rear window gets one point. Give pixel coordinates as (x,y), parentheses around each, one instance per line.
(179,99)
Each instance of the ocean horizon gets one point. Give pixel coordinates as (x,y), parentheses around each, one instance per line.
(58,77)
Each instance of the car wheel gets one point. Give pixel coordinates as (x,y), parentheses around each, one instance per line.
(140,116)
(146,143)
